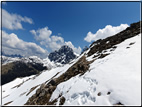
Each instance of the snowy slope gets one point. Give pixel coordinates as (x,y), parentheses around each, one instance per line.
(18,95)
(114,79)
(111,80)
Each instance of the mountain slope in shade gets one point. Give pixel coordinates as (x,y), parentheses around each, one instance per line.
(21,67)
(107,73)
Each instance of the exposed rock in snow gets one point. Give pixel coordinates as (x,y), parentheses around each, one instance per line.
(80,67)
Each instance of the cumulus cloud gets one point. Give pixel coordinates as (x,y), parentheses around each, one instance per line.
(13,21)
(11,44)
(43,35)
(53,42)
(105,32)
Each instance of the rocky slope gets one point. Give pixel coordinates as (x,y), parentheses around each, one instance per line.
(100,45)
(64,55)
(107,73)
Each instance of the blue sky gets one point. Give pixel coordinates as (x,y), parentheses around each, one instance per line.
(70,20)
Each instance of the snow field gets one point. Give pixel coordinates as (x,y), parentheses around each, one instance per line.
(117,77)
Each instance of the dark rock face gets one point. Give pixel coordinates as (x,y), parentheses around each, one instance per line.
(16,69)
(62,100)
(64,55)
(109,42)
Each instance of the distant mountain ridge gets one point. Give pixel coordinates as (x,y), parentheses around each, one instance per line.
(13,68)
(64,55)
(12,55)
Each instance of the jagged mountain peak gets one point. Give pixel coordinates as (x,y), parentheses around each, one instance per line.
(65,49)
(64,55)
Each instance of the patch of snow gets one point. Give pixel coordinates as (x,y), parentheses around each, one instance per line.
(107,42)
(14,93)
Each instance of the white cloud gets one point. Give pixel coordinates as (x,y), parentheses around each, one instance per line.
(105,32)
(11,44)
(42,34)
(53,42)
(13,21)
(57,38)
